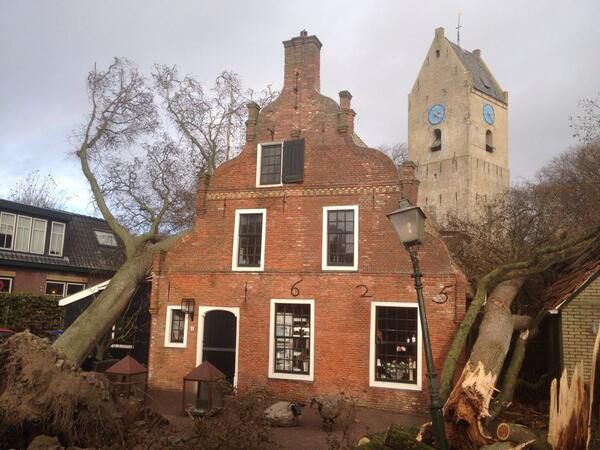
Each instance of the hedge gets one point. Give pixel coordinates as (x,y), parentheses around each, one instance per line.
(19,311)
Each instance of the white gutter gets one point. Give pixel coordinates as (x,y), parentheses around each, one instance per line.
(83,294)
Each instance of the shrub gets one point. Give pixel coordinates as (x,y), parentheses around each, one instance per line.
(19,311)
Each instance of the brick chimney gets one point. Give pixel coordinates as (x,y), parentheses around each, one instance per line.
(302,63)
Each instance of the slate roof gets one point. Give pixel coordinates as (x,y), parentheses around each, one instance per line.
(81,251)
(573,280)
(483,80)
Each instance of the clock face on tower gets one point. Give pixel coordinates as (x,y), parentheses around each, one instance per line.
(488,114)
(436,114)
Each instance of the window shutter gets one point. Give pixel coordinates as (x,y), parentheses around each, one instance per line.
(293,161)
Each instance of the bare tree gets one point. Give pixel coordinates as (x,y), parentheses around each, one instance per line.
(133,194)
(212,123)
(397,152)
(36,190)
(586,125)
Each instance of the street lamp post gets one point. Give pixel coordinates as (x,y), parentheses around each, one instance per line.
(408,222)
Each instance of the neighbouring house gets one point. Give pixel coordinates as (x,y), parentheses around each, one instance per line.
(71,257)
(296,279)
(573,301)
(49,252)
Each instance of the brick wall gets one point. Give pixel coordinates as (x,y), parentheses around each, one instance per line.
(337,172)
(33,281)
(577,319)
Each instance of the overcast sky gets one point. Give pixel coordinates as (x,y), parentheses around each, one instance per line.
(545,53)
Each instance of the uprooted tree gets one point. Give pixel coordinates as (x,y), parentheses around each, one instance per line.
(143,185)
(139,175)
(530,231)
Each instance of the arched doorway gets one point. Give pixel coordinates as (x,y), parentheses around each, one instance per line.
(218,339)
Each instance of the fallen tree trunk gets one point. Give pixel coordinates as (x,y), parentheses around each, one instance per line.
(467,407)
(79,339)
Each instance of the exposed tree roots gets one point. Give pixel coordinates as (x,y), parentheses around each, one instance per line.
(42,394)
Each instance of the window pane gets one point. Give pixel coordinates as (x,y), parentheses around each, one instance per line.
(73,288)
(292,338)
(7,230)
(270,164)
(23,234)
(250,240)
(340,226)
(177,326)
(106,238)
(38,236)
(396,344)
(56,238)
(5,284)
(55,288)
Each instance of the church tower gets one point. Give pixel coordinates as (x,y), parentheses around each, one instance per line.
(457,130)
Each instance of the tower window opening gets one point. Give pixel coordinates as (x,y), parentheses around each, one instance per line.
(489,142)
(436,145)
(437,53)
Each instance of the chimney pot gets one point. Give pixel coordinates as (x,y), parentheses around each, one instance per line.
(345,98)
(439,32)
(304,33)
(302,63)
(477,52)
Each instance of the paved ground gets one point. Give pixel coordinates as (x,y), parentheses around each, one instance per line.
(308,435)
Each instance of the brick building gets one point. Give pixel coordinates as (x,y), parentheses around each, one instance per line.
(44,251)
(298,280)
(574,304)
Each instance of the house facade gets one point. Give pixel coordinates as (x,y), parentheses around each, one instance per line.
(49,252)
(297,279)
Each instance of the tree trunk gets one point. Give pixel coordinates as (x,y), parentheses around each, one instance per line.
(79,339)
(468,403)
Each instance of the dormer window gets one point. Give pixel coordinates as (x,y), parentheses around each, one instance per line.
(489,142)
(57,239)
(436,145)
(105,238)
(280,163)
(7,230)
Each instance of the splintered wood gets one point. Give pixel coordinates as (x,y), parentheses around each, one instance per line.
(568,428)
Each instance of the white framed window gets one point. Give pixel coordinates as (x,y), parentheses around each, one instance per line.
(395,360)
(105,238)
(6,284)
(269,164)
(292,339)
(23,235)
(279,163)
(340,238)
(57,239)
(60,289)
(7,230)
(249,236)
(38,236)
(176,327)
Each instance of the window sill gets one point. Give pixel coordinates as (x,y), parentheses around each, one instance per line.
(395,386)
(339,268)
(175,345)
(248,269)
(269,185)
(291,377)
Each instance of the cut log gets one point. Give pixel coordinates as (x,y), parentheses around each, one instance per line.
(568,425)
(520,434)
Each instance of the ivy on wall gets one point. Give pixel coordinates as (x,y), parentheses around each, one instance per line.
(40,314)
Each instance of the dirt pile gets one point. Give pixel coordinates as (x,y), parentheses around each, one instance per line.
(40,393)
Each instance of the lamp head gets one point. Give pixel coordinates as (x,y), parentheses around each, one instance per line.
(408,222)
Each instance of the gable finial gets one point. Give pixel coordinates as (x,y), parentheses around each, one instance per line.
(458,29)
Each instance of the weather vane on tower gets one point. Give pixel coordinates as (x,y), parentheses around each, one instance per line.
(458,29)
